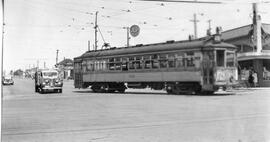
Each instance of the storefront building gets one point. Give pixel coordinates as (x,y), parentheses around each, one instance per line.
(65,68)
(251,58)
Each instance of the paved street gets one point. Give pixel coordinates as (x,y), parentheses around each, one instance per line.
(79,115)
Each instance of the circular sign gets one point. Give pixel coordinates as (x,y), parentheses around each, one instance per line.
(134,30)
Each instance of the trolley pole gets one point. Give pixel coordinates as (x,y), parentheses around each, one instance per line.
(209,27)
(88,45)
(96,26)
(128,37)
(195,24)
(57,56)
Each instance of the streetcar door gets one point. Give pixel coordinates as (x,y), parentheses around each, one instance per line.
(208,70)
(78,78)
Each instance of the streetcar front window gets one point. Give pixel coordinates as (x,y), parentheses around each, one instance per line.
(230,59)
(220,58)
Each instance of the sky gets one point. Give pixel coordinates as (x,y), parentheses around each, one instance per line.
(35,29)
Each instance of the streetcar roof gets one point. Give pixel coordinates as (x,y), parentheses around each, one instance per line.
(158,47)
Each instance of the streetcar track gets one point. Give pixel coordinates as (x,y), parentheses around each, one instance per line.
(142,125)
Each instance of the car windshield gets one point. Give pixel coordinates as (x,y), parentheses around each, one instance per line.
(49,74)
(7,77)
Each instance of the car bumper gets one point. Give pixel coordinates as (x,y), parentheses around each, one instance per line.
(8,83)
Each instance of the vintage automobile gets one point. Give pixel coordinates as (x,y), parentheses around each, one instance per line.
(48,80)
(8,80)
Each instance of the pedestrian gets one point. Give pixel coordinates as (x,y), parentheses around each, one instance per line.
(250,79)
(255,78)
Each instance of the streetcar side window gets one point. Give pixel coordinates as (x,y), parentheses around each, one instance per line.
(230,59)
(180,60)
(147,62)
(111,64)
(104,64)
(131,64)
(138,64)
(163,60)
(154,61)
(84,66)
(89,65)
(124,63)
(220,58)
(190,59)
(118,63)
(96,65)
(171,60)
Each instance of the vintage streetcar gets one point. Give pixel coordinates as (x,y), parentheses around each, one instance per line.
(193,66)
(48,80)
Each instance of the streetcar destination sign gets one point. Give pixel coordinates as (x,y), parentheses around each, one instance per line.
(134,30)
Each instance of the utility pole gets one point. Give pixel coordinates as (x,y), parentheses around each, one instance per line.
(96,26)
(128,37)
(195,24)
(257,28)
(44,65)
(57,56)
(2,54)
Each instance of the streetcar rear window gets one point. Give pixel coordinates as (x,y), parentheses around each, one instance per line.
(220,58)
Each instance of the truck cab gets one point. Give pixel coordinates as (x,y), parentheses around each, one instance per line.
(48,80)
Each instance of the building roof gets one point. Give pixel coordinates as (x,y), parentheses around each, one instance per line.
(66,62)
(243,31)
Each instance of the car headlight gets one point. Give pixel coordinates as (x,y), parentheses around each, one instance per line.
(43,83)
